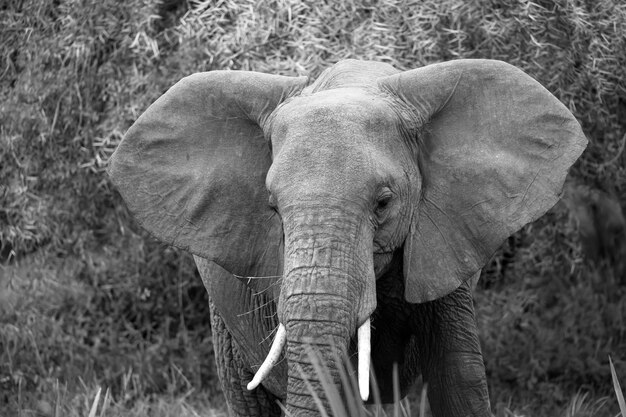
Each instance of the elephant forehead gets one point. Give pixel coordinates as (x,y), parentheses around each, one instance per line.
(329,128)
(335,114)
(345,141)
(351,72)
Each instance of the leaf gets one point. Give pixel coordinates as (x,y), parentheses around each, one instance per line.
(618,389)
(94,406)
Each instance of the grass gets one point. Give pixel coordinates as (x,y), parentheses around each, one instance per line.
(345,401)
(618,390)
(95,402)
(87,300)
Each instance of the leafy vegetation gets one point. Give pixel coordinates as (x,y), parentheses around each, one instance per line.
(88,300)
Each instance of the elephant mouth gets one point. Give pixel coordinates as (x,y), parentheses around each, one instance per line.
(382,262)
(280,339)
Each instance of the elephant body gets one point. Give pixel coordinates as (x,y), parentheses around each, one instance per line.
(347,214)
(411,337)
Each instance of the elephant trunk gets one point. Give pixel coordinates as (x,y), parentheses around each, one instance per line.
(315,340)
(328,290)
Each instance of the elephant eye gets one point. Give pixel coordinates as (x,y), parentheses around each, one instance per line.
(383,201)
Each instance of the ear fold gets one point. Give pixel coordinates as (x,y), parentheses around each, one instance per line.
(192,169)
(495,149)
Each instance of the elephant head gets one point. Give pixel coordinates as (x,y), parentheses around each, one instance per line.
(323,183)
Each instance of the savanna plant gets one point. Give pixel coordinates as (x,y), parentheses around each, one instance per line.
(346,401)
(618,390)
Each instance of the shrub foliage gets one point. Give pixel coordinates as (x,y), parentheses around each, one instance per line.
(91,294)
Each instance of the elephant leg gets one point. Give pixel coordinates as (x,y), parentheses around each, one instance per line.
(450,356)
(234,374)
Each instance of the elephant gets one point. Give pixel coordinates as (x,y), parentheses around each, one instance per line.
(347,213)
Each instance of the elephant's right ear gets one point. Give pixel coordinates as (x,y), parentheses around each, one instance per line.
(192,168)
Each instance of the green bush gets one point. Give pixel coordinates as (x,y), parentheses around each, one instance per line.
(85,293)
(93,295)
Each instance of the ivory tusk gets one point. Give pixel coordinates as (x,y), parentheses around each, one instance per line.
(364,344)
(271,359)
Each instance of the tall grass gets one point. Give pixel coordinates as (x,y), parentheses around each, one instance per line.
(618,390)
(345,399)
(90,401)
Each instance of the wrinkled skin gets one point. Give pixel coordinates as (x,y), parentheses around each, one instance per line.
(437,338)
(369,194)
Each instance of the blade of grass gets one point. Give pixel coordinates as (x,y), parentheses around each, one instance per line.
(375,389)
(59,399)
(316,398)
(618,389)
(396,391)
(405,407)
(105,402)
(350,384)
(423,400)
(332,393)
(94,406)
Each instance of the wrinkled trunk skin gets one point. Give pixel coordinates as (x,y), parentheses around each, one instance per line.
(326,338)
(325,295)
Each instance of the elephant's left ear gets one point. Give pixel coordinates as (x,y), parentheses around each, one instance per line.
(192,168)
(495,149)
